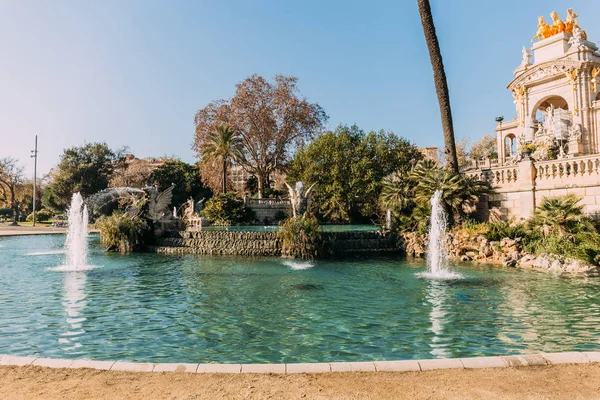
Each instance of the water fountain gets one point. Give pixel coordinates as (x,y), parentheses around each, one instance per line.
(437,259)
(76,246)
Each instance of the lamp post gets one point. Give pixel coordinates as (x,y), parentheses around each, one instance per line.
(34,156)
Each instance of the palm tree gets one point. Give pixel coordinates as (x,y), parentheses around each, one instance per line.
(441,85)
(223,145)
(561,216)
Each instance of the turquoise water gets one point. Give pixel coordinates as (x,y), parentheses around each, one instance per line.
(275,228)
(148,307)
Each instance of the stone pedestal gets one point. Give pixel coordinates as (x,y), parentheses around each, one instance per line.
(526,187)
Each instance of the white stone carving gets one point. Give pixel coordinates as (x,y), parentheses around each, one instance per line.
(526,57)
(576,41)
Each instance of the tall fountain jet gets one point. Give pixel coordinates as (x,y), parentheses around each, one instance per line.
(437,259)
(76,243)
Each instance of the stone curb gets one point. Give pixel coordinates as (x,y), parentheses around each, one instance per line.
(523,360)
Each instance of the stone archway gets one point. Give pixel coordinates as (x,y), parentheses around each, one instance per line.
(540,109)
(510,145)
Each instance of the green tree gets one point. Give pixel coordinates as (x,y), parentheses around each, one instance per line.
(270,116)
(223,145)
(184,176)
(348,167)
(11,177)
(441,84)
(86,169)
(405,193)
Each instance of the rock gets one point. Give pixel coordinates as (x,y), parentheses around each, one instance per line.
(464,258)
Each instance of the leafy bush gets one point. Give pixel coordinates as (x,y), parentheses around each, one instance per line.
(302,238)
(122,233)
(584,246)
(561,216)
(503,229)
(6,212)
(40,216)
(226,209)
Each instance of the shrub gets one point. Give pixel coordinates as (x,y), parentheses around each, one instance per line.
(122,233)
(280,216)
(502,229)
(226,209)
(584,246)
(302,238)
(6,212)
(40,216)
(560,216)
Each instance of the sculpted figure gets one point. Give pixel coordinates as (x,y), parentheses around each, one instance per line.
(557,25)
(544,30)
(526,56)
(299,198)
(571,21)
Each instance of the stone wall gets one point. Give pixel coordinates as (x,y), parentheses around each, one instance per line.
(520,188)
(269,243)
(267,209)
(462,246)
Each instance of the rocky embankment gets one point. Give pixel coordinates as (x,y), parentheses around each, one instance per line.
(463,246)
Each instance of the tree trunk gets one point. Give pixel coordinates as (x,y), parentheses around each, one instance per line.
(441,85)
(261,184)
(224,176)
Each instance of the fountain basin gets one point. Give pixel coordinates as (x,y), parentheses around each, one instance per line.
(203,309)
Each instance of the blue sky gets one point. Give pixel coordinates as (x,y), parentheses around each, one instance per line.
(135,72)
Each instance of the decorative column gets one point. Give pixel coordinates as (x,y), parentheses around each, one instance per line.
(526,187)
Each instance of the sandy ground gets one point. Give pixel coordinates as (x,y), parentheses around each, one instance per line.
(577,381)
(8,230)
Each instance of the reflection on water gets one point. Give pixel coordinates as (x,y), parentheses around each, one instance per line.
(74,301)
(437,296)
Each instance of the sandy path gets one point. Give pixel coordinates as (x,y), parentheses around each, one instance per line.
(580,381)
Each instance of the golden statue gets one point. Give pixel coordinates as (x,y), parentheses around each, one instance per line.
(594,80)
(571,21)
(544,30)
(572,73)
(571,24)
(557,25)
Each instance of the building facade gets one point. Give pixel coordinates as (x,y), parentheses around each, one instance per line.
(552,146)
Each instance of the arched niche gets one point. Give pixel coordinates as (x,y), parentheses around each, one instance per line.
(510,145)
(540,110)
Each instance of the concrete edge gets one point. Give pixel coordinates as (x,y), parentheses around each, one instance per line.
(518,360)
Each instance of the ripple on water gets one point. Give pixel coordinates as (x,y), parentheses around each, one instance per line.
(45,253)
(70,268)
(299,265)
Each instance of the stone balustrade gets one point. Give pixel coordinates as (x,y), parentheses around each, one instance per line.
(578,170)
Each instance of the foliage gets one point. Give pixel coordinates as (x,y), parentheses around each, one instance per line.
(504,229)
(185,177)
(407,194)
(86,169)
(302,238)
(41,216)
(529,146)
(226,209)
(6,212)
(348,167)
(222,145)
(132,174)
(122,233)
(11,176)
(560,216)
(485,147)
(280,216)
(271,119)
